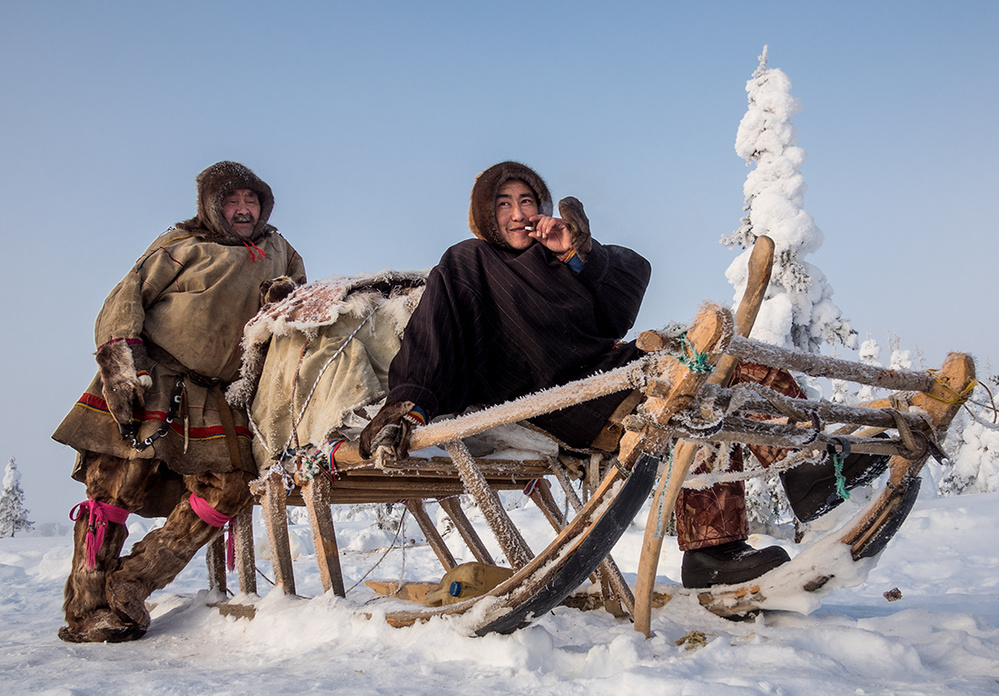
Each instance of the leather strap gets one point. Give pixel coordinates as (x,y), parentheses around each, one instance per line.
(225,415)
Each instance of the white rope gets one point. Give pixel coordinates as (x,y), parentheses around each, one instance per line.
(391,546)
(789,462)
(295,421)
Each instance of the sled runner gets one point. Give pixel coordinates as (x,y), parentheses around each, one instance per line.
(317,362)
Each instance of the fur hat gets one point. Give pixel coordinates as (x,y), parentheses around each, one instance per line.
(482,209)
(214,185)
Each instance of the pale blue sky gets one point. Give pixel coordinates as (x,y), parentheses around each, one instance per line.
(371,120)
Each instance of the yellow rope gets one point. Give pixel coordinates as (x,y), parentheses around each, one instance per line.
(959,397)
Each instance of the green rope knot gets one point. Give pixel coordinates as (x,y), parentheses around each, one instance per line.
(690,358)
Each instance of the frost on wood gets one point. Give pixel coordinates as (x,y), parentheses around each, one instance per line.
(798,310)
(13,515)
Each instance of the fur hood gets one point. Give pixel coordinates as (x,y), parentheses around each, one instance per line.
(482,209)
(214,184)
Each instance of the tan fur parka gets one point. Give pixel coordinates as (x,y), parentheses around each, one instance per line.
(187,299)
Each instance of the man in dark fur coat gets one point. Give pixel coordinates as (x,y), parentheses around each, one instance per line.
(532,303)
(153,432)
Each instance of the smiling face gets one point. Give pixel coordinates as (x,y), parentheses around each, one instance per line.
(515,204)
(241,209)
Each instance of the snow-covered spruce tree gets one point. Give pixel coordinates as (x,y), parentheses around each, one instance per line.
(798,310)
(13,515)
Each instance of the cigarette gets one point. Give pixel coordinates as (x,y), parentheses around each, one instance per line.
(528,228)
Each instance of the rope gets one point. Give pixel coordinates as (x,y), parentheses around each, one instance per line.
(841,491)
(99,515)
(209,515)
(391,546)
(690,358)
(991,407)
(789,462)
(662,513)
(295,421)
(959,397)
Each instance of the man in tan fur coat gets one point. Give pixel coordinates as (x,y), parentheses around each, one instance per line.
(153,433)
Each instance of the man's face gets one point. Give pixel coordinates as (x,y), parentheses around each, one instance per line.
(241,209)
(515,204)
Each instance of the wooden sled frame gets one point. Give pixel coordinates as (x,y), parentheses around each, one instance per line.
(582,544)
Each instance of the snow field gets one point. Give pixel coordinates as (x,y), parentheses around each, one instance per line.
(942,637)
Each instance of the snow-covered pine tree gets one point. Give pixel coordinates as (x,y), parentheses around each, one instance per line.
(13,515)
(798,310)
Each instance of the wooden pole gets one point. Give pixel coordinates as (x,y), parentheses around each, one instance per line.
(514,546)
(429,529)
(276,521)
(246,560)
(316,493)
(472,540)
(833,368)
(664,499)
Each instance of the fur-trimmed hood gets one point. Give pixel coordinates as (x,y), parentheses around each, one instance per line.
(214,184)
(482,208)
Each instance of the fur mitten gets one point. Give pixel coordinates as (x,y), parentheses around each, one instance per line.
(575,219)
(123,367)
(276,289)
(389,428)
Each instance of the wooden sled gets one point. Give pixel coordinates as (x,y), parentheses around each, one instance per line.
(581,545)
(688,405)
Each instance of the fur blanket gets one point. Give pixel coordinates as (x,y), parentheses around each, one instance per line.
(314,362)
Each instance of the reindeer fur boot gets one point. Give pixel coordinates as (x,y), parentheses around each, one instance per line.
(89,619)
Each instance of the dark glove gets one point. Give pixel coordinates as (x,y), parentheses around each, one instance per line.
(123,368)
(276,289)
(571,211)
(390,428)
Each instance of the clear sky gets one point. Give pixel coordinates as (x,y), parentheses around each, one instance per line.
(370,121)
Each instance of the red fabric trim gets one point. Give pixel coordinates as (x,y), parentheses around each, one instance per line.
(208,432)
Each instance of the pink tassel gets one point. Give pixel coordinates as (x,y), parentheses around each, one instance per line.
(99,515)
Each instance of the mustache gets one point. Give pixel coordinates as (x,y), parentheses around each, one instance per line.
(239,217)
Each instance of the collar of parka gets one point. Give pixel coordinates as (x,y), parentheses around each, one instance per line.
(214,184)
(482,209)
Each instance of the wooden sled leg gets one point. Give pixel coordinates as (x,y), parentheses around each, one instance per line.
(514,546)
(215,557)
(609,575)
(246,561)
(276,521)
(429,529)
(452,506)
(869,532)
(316,494)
